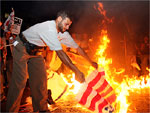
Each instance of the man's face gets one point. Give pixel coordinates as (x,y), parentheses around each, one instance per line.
(64,24)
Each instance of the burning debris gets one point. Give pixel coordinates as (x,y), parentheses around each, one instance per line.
(119,86)
(122,88)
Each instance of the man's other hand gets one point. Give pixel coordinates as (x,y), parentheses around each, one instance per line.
(79,76)
(95,65)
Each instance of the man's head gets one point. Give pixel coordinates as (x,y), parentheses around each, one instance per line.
(63,21)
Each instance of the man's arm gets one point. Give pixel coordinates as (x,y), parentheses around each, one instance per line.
(82,53)
(79,76)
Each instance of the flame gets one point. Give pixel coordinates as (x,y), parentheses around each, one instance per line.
(122,88)
(1,23)
(127,85)
(148,70)
(75,84)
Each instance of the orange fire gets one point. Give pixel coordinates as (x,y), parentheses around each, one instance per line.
(127,84)
(123,88)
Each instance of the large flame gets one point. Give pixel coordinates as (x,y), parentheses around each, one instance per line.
(122,88)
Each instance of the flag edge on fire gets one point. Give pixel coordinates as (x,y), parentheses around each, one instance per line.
(86,86)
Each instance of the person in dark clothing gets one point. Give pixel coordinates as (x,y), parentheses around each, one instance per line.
(144,55)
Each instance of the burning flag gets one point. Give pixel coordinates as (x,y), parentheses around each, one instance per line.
(96,94)
(9,22)
(98,82)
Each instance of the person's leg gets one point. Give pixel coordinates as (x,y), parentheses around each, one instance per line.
(19,78)
(38,83)
(2,96)
(9,66)
(50,99)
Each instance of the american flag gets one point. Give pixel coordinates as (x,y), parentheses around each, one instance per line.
(9,22)
(96,94)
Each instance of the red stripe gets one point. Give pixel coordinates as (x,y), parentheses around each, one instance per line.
(7,23)
(107,92)
(85,95)
(101,106)
(93,101)
(102,73)
(102,87)
(96,79)
(111,98)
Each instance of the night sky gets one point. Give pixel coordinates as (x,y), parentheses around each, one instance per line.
(130,20)
(130,17)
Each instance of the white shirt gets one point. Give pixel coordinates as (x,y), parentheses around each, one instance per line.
(66,39)
(45,33)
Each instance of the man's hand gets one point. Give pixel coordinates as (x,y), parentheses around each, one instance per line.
(79,76)
(95,65)
(83,53)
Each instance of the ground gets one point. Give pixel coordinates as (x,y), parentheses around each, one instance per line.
(139,103)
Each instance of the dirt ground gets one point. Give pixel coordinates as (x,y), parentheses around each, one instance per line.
(139,103)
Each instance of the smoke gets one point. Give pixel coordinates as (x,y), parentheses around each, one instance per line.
(135,14)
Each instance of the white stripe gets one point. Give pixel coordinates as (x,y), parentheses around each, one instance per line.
(91,76)
(101,69)
(81,91)
(106,89)
(90,97)
(99,83)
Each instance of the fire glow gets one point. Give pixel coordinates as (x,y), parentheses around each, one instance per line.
(123,88)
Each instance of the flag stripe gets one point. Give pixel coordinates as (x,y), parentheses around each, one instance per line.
(111,98)
(106,92)
(92,76)
(85,95)
(102,87)
(93,102)
(95,80)
(100,82)
(9,21)
(90,98)
(100,104)
(80,93)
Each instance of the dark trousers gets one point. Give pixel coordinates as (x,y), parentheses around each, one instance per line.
(24,65)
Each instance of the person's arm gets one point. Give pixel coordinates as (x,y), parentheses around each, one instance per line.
(82,53)
(79,76)
(48,57)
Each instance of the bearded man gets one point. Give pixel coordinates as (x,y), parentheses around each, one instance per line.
(28,60)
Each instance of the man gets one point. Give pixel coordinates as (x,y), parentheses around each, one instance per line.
(144,55)
(54,63)
(27,59)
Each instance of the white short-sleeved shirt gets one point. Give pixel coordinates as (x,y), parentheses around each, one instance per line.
(66,39)
(45,33)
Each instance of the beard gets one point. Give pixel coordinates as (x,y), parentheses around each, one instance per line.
(60,27)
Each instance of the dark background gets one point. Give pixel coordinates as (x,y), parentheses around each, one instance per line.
(86,18)
(130,18)
(37,11)
(130,21)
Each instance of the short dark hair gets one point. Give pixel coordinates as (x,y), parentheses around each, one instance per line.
(65,14)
